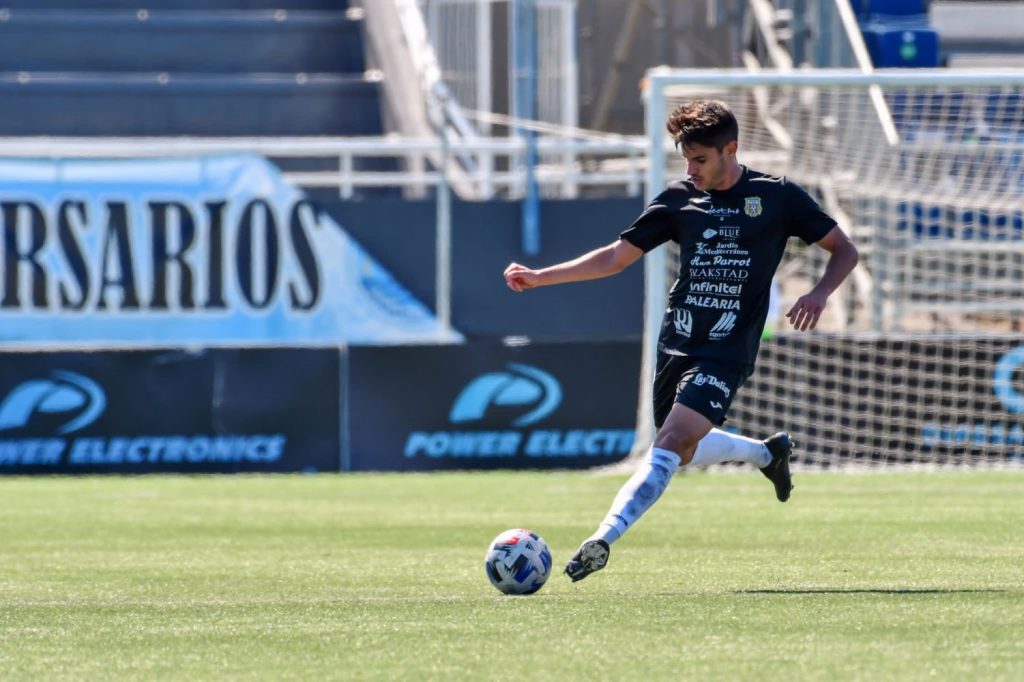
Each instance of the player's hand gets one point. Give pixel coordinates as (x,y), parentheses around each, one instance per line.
(805,312)
(520,278)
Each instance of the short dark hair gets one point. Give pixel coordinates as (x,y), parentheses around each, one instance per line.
(706,122)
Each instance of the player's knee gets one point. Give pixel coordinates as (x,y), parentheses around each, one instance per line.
(681,443)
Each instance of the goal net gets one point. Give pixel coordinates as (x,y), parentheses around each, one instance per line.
(919,357)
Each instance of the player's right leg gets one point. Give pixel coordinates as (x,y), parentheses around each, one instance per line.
(676,440)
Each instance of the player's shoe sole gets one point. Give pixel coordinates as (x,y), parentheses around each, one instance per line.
(781,448)
(591,556)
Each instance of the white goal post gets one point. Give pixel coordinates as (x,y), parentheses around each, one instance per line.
(920,355)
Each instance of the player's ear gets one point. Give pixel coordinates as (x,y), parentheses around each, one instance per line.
(730,148)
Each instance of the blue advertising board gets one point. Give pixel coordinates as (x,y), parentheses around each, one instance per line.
(217,410)
(486,405)
(217,250)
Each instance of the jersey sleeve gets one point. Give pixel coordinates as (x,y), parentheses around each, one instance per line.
(804,217)
(653,228)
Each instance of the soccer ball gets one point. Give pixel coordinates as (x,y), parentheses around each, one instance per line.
(518,561)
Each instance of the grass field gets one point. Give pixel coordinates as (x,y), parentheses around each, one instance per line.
(859,576)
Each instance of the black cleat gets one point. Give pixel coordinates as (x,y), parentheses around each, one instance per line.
(781,447)
(591,556)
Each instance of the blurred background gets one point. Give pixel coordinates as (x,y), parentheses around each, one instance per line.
(268,235)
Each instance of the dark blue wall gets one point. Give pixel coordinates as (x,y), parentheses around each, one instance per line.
(192,42)
(213,105)
(249,68)
(486,237)
(178,4)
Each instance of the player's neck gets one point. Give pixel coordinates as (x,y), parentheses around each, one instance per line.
(733,173)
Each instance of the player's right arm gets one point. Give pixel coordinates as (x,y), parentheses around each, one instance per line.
(603,262)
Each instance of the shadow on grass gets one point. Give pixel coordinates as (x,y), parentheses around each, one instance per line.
(866,591)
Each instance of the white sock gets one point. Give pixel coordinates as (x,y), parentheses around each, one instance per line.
(720,446)
(637,495)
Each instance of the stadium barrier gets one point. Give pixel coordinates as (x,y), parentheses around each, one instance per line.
(207,411)
(491,406)
(940,399)
(483,405)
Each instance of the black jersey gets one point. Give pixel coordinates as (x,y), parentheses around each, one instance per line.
(730,244)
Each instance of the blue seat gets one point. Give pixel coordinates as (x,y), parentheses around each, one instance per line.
(925,111)
(901,45)
(869,8)
(1005,109)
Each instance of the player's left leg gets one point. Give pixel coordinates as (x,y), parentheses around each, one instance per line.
(771,456)
(721,446)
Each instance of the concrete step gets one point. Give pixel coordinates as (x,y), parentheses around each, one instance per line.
(182,41)
(154,5)
(188,104)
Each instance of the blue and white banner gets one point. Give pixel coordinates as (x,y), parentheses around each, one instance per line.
(489,406)
(197,411)
(200,250)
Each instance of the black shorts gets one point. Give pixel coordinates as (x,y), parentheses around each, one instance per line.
(706,386)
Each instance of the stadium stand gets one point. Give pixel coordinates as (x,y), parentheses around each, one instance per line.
(897,33)
(223,68)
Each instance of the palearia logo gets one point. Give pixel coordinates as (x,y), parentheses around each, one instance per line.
(77,396)
(682,319)
(520,385)
(1002,380)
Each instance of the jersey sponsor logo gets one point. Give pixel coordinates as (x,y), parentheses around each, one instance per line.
(712,380)
(682,319)
(720,288)
(724,326)
(752,206)
(725,248)
(723,211)
(731,262)
(712,302)
(728,232)
(720,273)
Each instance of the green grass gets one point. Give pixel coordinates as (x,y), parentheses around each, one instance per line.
(859,577)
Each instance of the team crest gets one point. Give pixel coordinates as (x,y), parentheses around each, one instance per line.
(752,206)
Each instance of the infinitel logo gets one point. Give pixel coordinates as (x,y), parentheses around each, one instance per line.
(521,385)
(65,392)
(536,394)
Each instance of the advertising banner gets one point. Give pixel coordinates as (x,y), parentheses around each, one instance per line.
(215,250)
(938,399)
(268,409)
(486,406)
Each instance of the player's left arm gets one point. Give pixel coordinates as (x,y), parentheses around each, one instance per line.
(808,308)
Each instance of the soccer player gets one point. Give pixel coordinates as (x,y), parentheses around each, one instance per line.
(731,223)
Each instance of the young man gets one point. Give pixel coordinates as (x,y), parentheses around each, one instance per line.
(731,224)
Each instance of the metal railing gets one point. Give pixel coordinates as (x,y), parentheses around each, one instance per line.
(613,165)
